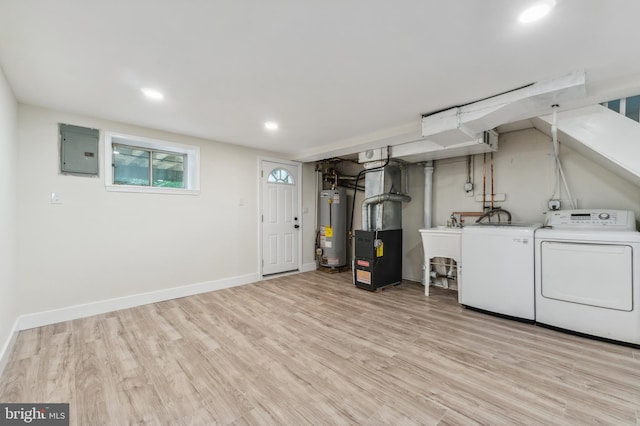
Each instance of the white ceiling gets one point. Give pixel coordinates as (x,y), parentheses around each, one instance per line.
(336,74)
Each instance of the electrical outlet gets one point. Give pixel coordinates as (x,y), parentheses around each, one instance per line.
(554,204)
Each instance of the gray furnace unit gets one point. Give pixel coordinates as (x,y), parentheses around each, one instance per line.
(378,246)
(332,246)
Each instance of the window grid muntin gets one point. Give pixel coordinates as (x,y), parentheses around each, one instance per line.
(275,176)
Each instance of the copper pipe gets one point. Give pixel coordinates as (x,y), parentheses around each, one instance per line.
(466,214)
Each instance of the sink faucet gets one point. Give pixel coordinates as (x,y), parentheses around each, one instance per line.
(454,221)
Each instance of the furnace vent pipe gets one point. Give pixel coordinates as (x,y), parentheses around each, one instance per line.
(377,199)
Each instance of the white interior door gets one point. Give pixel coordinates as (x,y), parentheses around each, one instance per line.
(280,217)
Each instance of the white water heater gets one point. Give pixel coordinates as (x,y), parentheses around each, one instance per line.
(332,240)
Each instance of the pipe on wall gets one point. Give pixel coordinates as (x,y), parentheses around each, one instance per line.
(428,193)
(428,211)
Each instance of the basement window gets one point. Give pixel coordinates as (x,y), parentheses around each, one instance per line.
(137,164)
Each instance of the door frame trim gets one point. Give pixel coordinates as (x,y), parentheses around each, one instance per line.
(298,165)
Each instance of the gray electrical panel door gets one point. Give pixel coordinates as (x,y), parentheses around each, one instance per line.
(78,150)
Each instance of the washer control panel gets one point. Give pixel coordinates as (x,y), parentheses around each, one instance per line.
(590,219)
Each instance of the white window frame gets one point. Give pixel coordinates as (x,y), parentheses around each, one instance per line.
(192,175)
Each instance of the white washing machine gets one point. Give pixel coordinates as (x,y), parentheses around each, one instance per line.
(496,269)
(588,273)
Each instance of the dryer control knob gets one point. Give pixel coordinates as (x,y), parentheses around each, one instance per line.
(604,216)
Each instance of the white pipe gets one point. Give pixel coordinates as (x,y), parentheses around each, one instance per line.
(317,188)
(405,171)
(317,214)
(556,151)
(428,193)
(428,214)
(566,188)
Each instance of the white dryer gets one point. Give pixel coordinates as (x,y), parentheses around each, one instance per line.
(587,276)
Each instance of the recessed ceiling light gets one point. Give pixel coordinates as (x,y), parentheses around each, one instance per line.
(537,11)
(271,125)
(152,94)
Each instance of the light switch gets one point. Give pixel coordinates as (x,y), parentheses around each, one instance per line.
(56,198)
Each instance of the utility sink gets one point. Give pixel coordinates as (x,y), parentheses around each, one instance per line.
(441,241)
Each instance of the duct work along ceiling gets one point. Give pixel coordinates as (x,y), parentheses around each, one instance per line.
(606,137)
(468,129)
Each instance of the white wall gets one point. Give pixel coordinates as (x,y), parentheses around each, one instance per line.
(412,218)
(8,218)
(308,213)
(524,171)
(100,245)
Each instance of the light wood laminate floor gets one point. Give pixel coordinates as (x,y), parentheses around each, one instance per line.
(313,349)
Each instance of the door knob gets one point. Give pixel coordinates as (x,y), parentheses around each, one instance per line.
(296,226)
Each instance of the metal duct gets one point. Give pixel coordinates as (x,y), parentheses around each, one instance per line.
(393,218)
(382,206)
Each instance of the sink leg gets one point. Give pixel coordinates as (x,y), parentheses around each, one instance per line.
(425,278)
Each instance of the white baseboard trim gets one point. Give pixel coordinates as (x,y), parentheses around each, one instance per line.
(5,353)
(307,267)
(54,316)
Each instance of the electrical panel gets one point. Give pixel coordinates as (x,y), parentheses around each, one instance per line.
(79,150)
